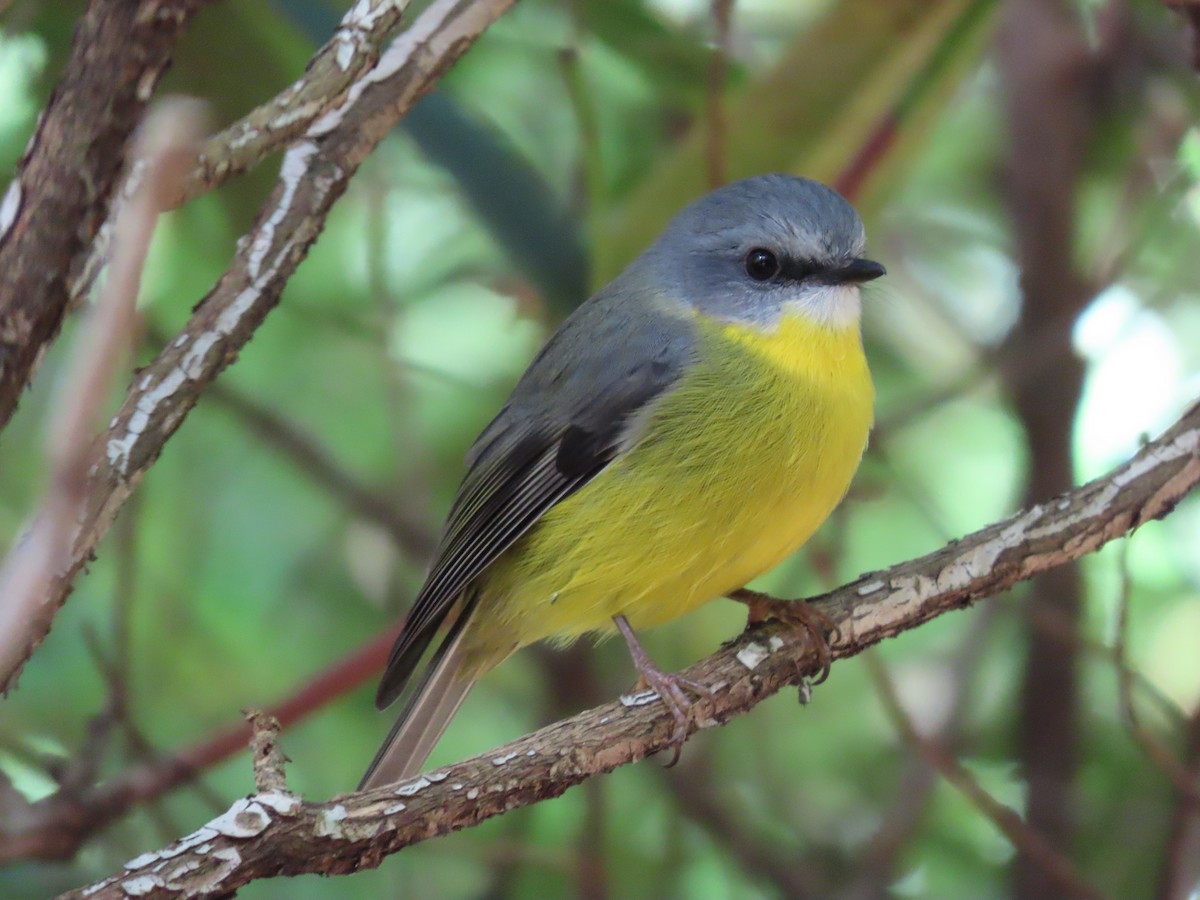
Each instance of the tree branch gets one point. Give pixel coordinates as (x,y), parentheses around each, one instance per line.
(315,173)
(1054,866)
(54,827)
(55,205)
(272,834)
(351,51)
(32,563)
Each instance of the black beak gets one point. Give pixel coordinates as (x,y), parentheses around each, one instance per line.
(857,271)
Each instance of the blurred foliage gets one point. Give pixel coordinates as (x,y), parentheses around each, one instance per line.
(238,576)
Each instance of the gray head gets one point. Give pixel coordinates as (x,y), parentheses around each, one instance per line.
(761,246)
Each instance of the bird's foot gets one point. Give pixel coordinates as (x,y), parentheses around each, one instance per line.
(671,689)
(798,615)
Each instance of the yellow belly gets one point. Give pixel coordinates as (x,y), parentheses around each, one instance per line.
(739,466)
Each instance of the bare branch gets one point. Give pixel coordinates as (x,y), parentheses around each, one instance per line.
(276,834)
(877,867)
(352,50)
(314,174)
(1187,783)
(269,759)
(56,826)
(55,205)
(721,12)
(1180,870)
(1056,868)
(34,562)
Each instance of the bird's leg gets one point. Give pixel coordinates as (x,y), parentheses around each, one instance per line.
(803,617)
(671,689)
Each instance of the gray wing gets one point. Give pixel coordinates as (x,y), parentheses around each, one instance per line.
(562,425)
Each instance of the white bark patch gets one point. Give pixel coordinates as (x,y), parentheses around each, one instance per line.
(139,861)
(10,206)
(145,85)
(343,53)
(357,24)
(910,592)
(752,655)
(504,760)
(405,48)
(297,113)
(244,819)
(413,787)
(230,859)
(194,364)
(119,450)
(248,135)
(641,698)
(291,173)
(198,839)
(141,885)
(1186,444)
(330,823)
(283,803)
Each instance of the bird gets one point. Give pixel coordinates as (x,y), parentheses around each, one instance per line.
(683,431)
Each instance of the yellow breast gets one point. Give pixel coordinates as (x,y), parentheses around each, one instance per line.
(738,466)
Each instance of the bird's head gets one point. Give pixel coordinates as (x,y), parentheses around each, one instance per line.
(762,247)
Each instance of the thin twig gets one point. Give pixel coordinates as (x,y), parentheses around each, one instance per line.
(693,791)
(1187,783)
(1180,872)
(1052,623)
(876,870)
(55,827)
(1056,867)
(269,758)
(714,91)
(415,539)
(34,563)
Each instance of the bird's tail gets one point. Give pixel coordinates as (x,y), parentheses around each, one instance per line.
(433,703)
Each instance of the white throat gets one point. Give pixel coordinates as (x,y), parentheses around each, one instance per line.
(832,305)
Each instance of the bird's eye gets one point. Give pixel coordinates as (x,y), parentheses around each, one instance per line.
(762,265)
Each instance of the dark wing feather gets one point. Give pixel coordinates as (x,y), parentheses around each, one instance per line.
(562,425)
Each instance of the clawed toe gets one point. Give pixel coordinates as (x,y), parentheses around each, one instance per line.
(811,622)
(671,689)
